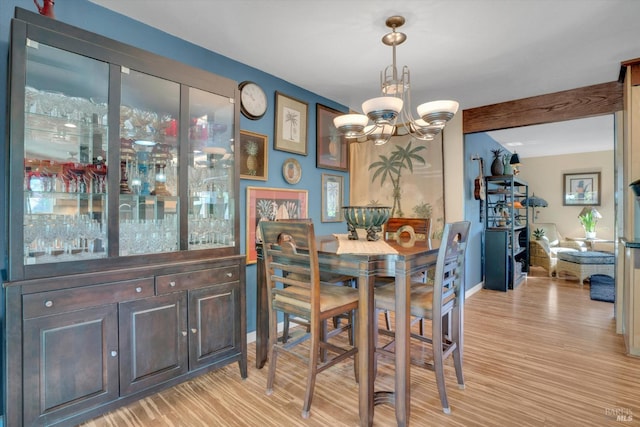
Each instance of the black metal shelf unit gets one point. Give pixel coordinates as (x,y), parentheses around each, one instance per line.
(506,232)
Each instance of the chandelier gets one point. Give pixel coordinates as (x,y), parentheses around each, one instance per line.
(395,103)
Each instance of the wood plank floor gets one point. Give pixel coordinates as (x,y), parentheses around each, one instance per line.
(542,355)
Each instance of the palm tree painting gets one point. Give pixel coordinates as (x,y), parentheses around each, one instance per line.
(391,167)
(291,128)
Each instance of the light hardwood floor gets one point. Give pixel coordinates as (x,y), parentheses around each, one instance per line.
(542,355)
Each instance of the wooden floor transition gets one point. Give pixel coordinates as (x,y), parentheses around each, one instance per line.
(542,355)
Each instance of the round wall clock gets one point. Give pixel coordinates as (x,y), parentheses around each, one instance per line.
(253,100)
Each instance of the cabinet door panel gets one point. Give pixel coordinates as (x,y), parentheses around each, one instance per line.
(214,318)
(149,139)
(70,363)
(211,171)
(153,341)
(65,156)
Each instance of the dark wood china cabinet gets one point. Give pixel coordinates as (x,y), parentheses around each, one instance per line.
(125,274)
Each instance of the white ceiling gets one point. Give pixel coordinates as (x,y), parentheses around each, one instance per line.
(553,139)
(478,52)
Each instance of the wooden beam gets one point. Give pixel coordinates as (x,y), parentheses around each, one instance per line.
(588,101)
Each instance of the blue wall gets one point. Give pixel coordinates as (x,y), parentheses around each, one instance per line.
(86,15)
(476,144)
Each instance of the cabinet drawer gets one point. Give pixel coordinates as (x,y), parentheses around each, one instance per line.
(196,279)
(53,302)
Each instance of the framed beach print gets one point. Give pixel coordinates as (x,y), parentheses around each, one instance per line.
(269,204)
(332,149)
(291,125)
(332,198)
(254,149)
(581,189)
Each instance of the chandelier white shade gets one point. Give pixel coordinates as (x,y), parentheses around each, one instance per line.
(351,125)
(395,104)
(437,112)
(384,109)
(379,134)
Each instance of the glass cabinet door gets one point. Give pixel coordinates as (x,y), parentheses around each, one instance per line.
(149,141)
(65,156)
(211,171)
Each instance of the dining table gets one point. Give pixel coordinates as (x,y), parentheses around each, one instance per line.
(364,262)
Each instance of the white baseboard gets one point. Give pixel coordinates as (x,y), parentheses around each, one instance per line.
(473,290)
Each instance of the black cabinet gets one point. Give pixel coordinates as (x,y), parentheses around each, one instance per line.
(506,232)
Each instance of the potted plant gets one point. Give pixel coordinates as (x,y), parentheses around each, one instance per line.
(589,220)
(538,233)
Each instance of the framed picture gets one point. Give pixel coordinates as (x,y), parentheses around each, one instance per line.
(332,149)
(269,204)
(332,198)
(291,125)
(581,189)
(254,149)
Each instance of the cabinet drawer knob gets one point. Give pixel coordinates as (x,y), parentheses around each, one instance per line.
(194,330)
(138,289)
(172,283)
(48,303)
(114,353)
(184,333)
(229,274)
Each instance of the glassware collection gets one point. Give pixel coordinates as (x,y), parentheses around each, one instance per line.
(66,170)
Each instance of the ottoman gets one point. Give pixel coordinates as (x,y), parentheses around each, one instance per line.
(586,264)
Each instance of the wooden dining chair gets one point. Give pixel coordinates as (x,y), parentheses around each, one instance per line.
(338,325)
(294,288)
(421,229)
(409,232)
(443,303)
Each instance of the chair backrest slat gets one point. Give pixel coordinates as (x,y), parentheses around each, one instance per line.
(291,259)
(450,265)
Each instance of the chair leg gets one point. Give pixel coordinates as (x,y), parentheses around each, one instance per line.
(387,320)
(273,352)
(456,336)
(324,333)
(285,328)
(350,332)
(353,331)
(438,364)
(314,351)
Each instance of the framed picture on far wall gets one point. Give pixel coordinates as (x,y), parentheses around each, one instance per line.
(291,125)
(332,149)
(269,204)
(581,189)
(254,149)
(332,198)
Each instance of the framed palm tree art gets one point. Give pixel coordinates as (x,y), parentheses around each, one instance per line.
(291,125)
